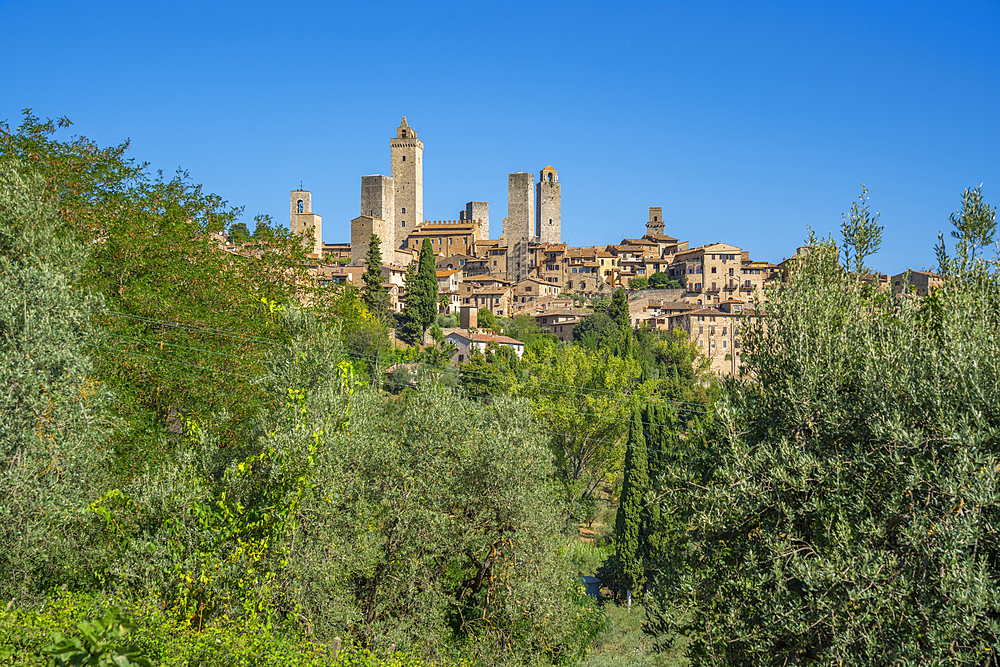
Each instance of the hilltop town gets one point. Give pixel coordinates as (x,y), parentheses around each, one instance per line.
(529,270)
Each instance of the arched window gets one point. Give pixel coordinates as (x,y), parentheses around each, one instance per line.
(404,223)
(550,177)
(404,209)
(404,136)
(404,158)
(654,218)
(301,206)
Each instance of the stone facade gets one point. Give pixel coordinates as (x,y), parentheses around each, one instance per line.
(378,200)
(478,210)
(362,229)
(520,221)
(306,223)
(448,237)
(655,224)
(408,180)
(548,207)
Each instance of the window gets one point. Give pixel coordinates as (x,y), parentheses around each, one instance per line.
(449,241)
(404,209)
(701,343)
(724,344)
(701,318)
(730,272)
(713,285)
(701,330)
(724,331)
(461,357)
(404,223)
(697,285)
(713,269)
(712,330)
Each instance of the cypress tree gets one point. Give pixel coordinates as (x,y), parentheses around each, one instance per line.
(410,326)
(628,522)
(427,274)
(375,293)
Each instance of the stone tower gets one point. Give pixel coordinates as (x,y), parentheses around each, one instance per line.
(520,221)
(479,210)
(303,221)
(548,221)
(655,224)
(378,201)
(408,179)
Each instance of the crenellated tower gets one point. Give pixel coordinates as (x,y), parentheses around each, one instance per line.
(408,180)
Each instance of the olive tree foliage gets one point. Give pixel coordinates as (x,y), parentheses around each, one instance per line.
(52,409)
(975,225)
(861,232)
(420,521)
(844,507)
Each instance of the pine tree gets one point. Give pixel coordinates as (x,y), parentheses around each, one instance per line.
(375,293)
(628,522)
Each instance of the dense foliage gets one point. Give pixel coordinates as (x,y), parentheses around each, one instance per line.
(844,507)
(192,435)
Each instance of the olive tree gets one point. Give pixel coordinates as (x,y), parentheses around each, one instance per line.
(844,507)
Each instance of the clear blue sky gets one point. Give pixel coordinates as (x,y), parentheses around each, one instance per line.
(745,121)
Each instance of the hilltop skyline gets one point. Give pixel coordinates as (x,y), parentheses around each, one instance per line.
(745,124)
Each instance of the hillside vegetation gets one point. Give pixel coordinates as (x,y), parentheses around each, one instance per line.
(209,459)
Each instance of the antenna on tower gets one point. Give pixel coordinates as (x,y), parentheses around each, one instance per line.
(300,185)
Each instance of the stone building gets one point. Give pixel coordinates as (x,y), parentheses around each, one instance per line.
(655,225)
(919,282)
(711,273)
(548,207)
(480,211)
(448,237)
(408,179)
(362,229)
(520,221)
(305,223)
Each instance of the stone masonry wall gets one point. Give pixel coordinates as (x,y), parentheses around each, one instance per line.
(378,200)
(479,210)
(520,208)
(408,179)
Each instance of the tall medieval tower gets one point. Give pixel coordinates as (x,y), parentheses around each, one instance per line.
(548,211)
(408,180)
(520,219)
